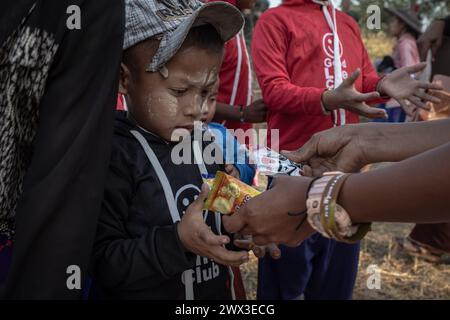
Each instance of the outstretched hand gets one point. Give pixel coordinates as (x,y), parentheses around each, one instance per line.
(401,85)
(347,97)
(344,148)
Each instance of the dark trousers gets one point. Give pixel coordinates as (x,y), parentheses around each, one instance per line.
(319,268)
(436,235)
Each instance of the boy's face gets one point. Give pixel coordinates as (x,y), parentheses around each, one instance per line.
(169,105)
(210,107)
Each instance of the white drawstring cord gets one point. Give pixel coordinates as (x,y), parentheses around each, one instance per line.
(338,79)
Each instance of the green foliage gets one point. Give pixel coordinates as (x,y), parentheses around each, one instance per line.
(378,42)
(428,10)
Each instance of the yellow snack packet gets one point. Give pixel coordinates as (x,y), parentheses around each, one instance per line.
(228,193)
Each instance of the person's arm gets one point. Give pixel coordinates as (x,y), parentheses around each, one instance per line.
(253,113)
(432,38)
(349,148)
(414,190)
(226,112)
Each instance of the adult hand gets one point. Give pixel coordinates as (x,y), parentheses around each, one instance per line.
(431,39)
(401,86)
(198,238)
(256,112)
(275,216)
(347,97)
(246,242)
(346,148)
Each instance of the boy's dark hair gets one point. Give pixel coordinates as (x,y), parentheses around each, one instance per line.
(204,37)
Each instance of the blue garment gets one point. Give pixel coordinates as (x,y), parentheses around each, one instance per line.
(238,157)
(319,268)
(395,114)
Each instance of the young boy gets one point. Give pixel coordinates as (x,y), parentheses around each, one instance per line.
(236,159)
(152,242)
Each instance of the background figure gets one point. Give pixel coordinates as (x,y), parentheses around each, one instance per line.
(57,91)
(292,52)
(235,109)
(405,26)
(346,6)
(431,241)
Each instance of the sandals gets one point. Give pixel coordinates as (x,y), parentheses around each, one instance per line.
(420,250)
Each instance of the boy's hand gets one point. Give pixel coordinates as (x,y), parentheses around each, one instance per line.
(406,90)
(232,171)
(347,97)
(256,112)
(198,238)
(246,242)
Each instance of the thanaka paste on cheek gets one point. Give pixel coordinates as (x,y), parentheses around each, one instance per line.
(149,107)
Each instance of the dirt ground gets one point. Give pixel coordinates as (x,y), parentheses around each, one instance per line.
(401,276)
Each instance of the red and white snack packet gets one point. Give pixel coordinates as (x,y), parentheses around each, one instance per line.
(270,163)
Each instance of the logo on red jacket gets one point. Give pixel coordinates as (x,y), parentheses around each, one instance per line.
(328,63)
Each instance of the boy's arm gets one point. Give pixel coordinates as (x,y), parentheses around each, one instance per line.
(124,262)
(269,48)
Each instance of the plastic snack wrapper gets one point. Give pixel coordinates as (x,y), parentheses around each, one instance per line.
(270,163)
(227,193)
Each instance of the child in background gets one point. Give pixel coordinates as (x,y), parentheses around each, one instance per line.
(152,240)
(405,26)
(237,163)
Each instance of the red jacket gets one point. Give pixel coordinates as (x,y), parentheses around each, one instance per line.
(235,78)
(292,52)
